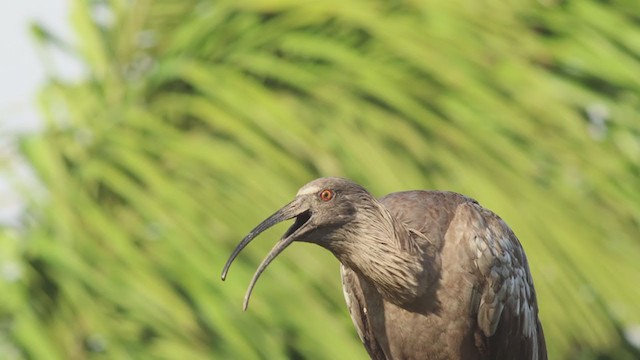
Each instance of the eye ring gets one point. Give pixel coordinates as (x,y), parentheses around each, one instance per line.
(326,195)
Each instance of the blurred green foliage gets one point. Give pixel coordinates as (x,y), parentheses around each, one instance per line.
(197,119)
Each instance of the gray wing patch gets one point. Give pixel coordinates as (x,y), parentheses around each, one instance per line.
(504,299)
(501,261)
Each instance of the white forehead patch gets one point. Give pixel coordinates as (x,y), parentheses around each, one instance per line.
(308,189)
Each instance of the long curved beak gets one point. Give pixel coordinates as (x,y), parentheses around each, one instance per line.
(289,211)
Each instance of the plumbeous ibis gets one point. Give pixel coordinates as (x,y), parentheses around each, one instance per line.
(425,274)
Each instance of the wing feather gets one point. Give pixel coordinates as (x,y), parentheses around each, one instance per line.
(507,310)
(359,310)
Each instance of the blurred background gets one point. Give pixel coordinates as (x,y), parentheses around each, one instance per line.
(165,130)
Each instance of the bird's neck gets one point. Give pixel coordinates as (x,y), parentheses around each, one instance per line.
(390,256)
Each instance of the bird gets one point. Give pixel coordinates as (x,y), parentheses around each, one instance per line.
(426,274)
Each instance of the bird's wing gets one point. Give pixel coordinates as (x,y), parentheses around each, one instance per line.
(504,299)
(358,308)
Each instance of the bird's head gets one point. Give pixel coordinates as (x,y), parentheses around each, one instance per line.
(323,210)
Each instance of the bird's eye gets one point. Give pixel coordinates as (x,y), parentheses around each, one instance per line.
(326,195)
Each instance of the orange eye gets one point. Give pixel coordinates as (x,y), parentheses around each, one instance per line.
(326,195)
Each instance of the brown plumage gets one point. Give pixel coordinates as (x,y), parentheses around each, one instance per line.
(426,274)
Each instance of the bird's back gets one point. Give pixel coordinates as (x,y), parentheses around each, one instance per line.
(480,304)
